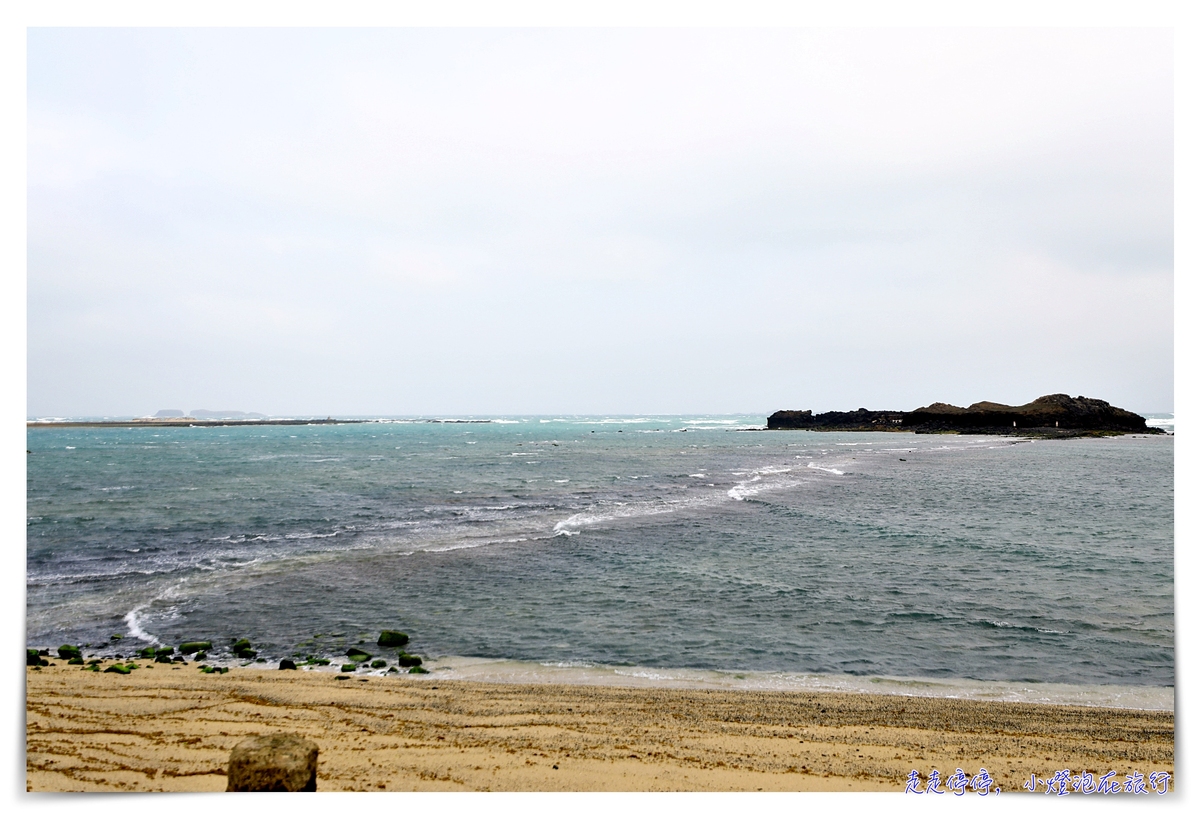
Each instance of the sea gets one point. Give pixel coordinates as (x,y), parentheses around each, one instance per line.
(691,551)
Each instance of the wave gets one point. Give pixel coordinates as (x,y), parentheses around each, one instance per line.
(1004,625)
(757,484)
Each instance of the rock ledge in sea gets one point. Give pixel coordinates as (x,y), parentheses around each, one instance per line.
(1048,416)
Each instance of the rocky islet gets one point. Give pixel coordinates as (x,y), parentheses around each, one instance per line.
(1057,415)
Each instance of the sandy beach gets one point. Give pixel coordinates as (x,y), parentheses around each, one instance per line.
(171,728)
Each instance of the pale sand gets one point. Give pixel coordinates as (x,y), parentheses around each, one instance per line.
(170,728)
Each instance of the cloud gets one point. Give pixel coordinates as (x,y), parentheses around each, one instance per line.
(597,219)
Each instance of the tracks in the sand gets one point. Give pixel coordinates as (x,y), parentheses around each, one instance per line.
(166,729)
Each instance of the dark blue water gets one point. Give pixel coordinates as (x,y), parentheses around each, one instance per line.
(616,541)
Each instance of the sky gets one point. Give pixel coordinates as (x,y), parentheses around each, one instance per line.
(464,221)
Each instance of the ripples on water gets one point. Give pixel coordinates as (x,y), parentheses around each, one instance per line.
(618,542)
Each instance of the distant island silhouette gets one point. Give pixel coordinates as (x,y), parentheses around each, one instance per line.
(1048,416)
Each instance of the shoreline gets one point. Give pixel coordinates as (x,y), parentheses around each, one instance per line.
(170,727)
(506,671)
(490,670)
(512,671)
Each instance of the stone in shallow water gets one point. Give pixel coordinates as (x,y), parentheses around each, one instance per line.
(279,762)
(194,647)
(392,639)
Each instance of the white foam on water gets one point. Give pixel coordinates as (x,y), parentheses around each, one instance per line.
(1166,424)
(622,511)
(610,421)
(133,619)
(757,485)
(582,672)
(829,469)
(133,625)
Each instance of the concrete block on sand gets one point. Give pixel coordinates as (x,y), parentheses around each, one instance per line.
(279,762)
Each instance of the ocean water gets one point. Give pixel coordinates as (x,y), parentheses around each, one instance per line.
(652,549)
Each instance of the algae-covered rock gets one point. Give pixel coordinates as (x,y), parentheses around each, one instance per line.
(117,669)
(417,669)
(146,653)
(357,655)
(392,639)
(188,648)
(408,660)
(348,668)
(32,657)
(241,644)
(287,664)
(245,653)
(166,650)
(69,652)
(116,637)
(164,658)
(201,656)
(378,663)
(75,660)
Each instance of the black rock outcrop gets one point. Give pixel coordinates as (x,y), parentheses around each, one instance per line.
(860,420)
(1048,416)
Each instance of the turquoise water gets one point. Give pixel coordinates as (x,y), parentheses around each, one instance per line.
(616,542)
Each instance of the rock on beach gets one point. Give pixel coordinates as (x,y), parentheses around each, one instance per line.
(279,762)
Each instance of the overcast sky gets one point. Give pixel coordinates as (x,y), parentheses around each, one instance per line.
(457,221)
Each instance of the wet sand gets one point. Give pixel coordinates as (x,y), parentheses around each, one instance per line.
(171,728)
